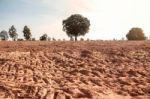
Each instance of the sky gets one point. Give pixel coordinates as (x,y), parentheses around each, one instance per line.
(109,18)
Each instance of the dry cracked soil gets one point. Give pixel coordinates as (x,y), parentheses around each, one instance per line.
(75,70)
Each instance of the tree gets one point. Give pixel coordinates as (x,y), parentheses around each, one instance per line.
(44,37)
(27,33)
(136,34)
(76,25)
(13,33)
(4,35)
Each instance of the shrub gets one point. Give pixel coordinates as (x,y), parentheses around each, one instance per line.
(81,39)
(44,37)
(136,34)
(19,39)
(33,39)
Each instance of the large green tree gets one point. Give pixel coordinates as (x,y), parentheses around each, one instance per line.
(136,34)
(13,33)
(76,25)
(27,33)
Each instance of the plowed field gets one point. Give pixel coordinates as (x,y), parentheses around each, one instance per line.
(75,70)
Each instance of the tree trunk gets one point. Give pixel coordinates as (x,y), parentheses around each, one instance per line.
(75,38)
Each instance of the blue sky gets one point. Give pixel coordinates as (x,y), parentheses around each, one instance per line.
(109,18)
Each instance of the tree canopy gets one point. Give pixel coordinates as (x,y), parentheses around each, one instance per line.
(136,34)
(27,33)
(76,25)
(13,33)
(4,35)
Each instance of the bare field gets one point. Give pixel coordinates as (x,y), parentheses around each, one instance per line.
(75,70)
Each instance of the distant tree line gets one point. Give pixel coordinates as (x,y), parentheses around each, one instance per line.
(74,26)
(12,33)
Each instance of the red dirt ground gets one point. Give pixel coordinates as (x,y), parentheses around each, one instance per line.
(75,70)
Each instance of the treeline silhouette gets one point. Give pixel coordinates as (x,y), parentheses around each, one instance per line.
(74,26)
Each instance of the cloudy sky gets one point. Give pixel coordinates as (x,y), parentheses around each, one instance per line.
(109,18)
